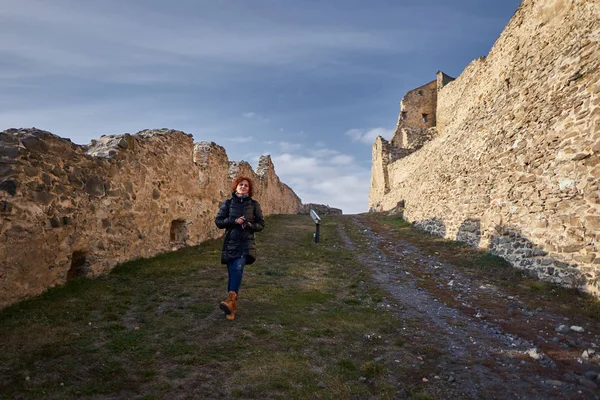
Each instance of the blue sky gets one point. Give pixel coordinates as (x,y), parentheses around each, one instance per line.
(310,82)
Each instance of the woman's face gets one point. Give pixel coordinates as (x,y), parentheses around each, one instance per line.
(243,187)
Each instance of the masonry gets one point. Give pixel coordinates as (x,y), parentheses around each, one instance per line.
(69,210)
(511,162)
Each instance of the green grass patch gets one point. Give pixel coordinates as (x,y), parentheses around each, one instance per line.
(149,323)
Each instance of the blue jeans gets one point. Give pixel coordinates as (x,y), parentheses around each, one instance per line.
(235,269)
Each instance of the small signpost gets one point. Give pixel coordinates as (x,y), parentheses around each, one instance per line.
(317,220)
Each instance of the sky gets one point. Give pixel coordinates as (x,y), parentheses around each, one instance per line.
(312,83)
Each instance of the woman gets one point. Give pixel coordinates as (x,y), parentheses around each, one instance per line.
(241,216)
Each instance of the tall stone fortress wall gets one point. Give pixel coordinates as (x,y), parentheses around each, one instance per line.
(69,210)
(514,164)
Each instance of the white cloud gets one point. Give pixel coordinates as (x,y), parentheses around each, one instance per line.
(249,114)
(342,159)
(326,177)
(286,147)
(355,134)
(369,136)
(324,152)
(290,164)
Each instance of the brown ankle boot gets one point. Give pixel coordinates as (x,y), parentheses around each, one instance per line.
(229,305)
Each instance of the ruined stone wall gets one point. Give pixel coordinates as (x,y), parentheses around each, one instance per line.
(417,108)
(442,79)
(380,183)
(67,210)
(515,166)
(407,139)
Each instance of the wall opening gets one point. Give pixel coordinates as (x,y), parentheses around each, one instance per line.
(179,231)
(420,93)
(80,265)
(403,115)
(424,117)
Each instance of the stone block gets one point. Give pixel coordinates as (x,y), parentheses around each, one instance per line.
(6,207)
(94,186)
(585,258)
(9,186)
(592,222)
(35,145)
(43,197)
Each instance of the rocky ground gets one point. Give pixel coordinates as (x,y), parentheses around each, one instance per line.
(484,342)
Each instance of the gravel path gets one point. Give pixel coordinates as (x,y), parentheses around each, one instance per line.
(485,353)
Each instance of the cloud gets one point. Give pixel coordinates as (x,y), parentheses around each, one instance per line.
(290,164)
(94,40)
(239,139)
(326,177)
(286,147)
(324,152)
(342,159)
(368,137)
(254,116)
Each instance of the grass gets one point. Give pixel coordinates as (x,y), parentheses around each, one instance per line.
(152,329)
(309,324)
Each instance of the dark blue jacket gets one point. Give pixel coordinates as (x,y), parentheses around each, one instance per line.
(239,240)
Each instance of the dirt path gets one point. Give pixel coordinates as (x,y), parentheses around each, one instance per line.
(483,343)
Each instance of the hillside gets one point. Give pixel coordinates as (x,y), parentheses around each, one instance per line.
(375,310)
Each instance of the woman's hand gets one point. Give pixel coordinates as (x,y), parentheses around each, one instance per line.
(240,220)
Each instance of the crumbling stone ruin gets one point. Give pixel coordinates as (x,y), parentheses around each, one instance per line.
(417,120)
(509,158)
(320,209)
(69,210)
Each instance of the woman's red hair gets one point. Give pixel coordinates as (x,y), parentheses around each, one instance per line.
(239,179)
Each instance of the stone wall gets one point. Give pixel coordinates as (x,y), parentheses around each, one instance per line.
(320,209)
(69,210)
(417,108)
(515,164)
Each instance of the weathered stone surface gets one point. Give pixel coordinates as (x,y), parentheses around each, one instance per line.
(320,209)
(69,210)
(9,186)
(516,137)
(94,185)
